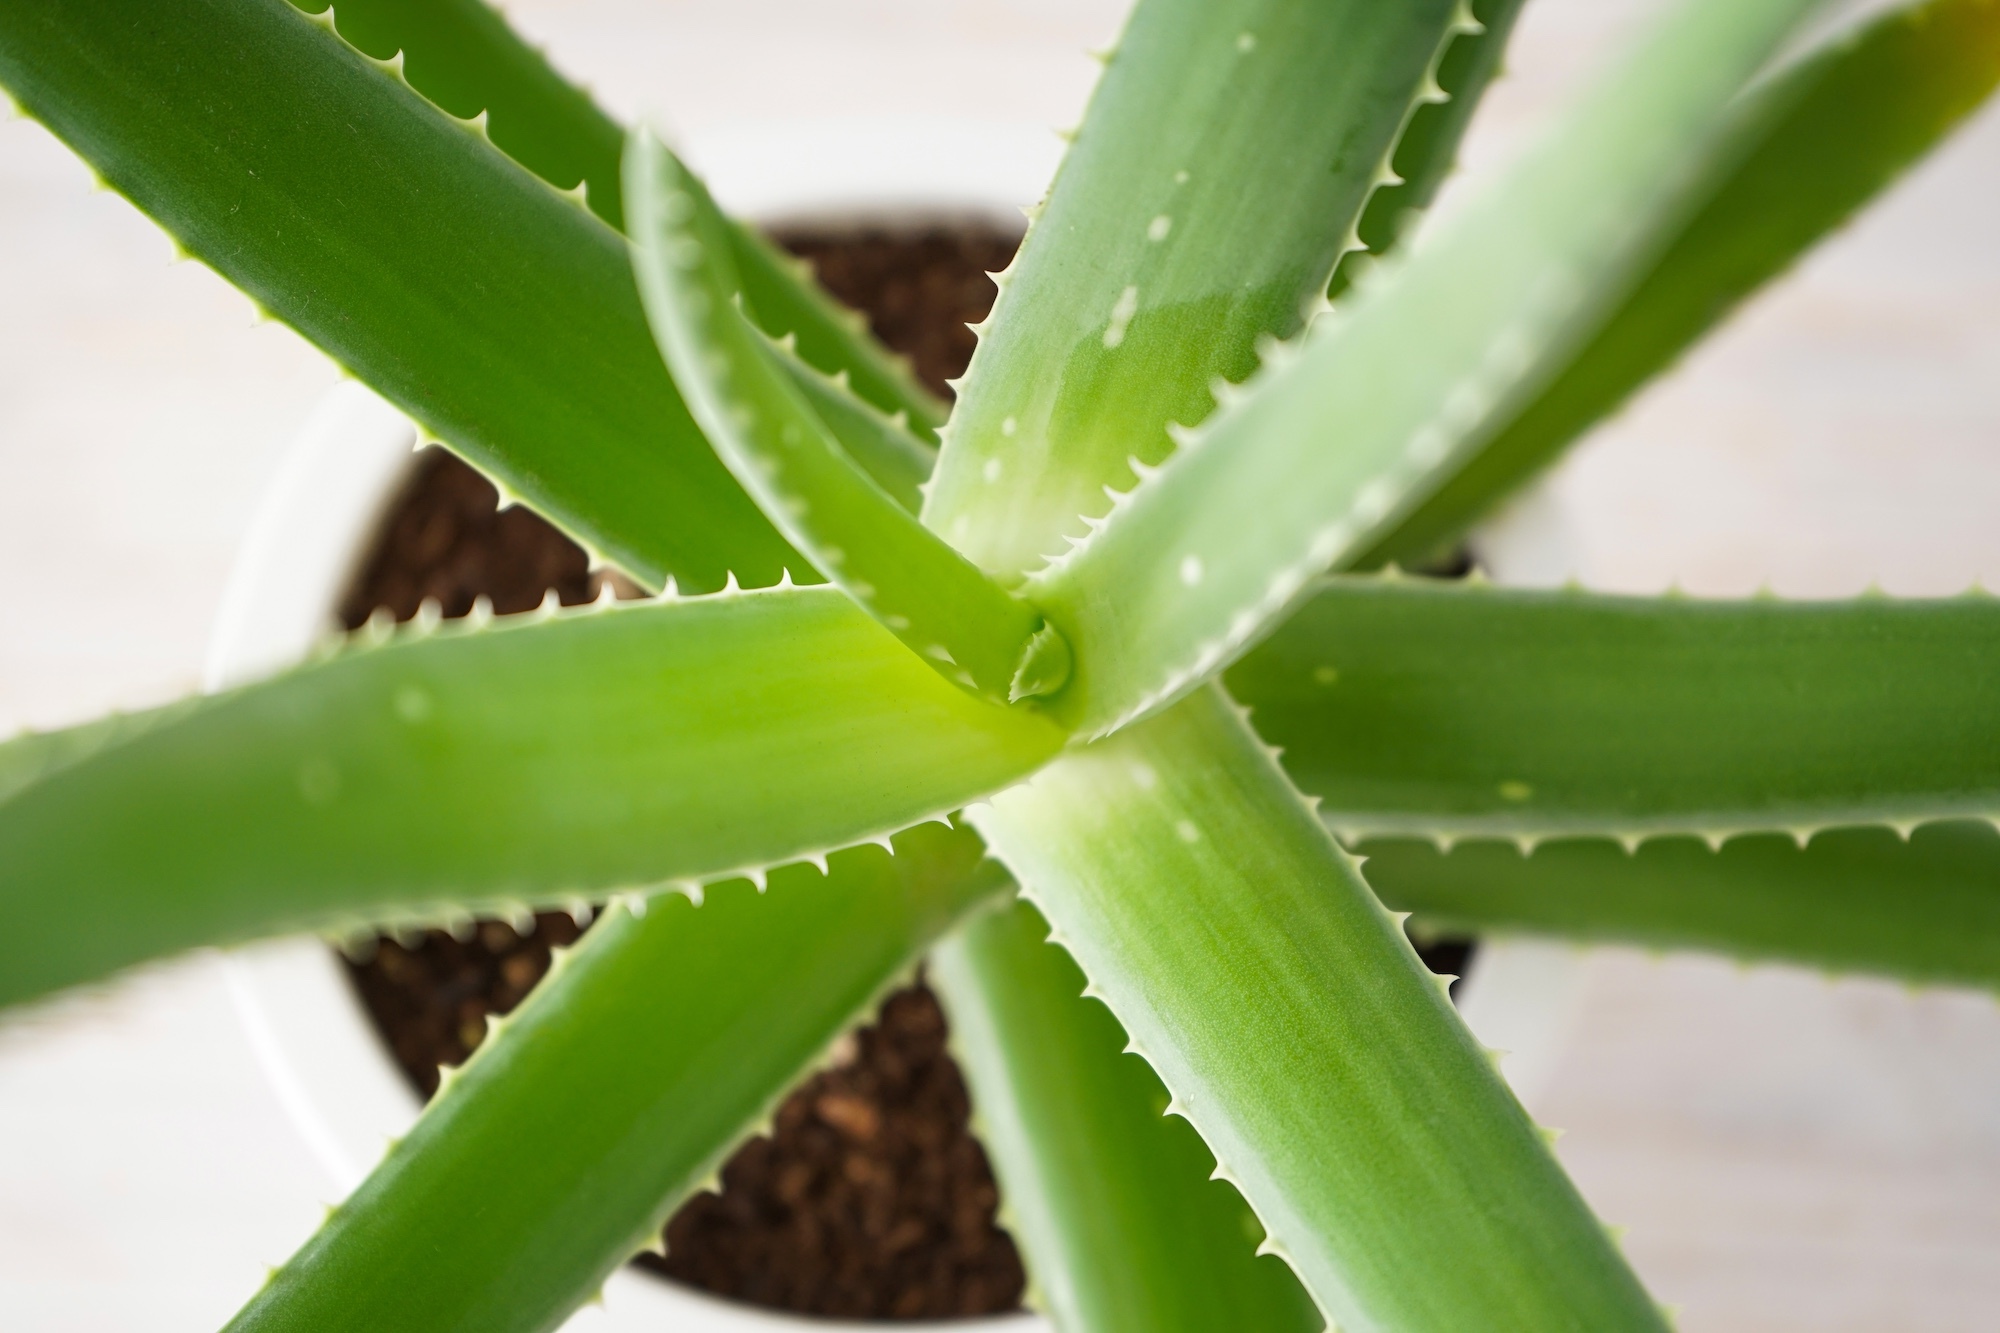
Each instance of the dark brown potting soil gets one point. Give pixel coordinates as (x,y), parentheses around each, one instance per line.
(870,1198)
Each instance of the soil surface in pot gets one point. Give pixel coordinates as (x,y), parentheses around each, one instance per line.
(870,1198)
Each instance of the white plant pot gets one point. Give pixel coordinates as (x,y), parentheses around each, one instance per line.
(315,1043)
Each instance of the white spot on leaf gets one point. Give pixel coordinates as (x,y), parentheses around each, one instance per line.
(1121,316)
(1191,570)
(1157,229)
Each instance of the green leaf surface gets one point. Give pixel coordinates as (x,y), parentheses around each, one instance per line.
(1453,709)
(1299,1034)
(883,446)
(780,293)
(499,314)
(1813,144)
(1399,385)
(29,757)
(764,429)
(1427,152)
(1225,157)
(624,747)
(1124,1229)
(616,1091)
(462,55)
(1925,910)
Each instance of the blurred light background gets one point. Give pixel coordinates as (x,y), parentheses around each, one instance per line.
(1787,1151)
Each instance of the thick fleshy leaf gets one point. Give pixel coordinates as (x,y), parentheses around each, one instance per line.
(498,313)
(764,429)
(615,1092)
(620,748)
(1226,155)
(1125,1231)
(29,757)
(1813,144)
(1925,910)
(1300,1035)
(462,55)
(780,293)
(884,446)
(1334,86)
(1452,709)
(1427,152)
(1402,383)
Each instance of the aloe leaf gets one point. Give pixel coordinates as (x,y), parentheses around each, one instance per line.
(1299,1034)
(1401,383)
(1427,152)
(1924,909)
(1227,152)
(498,313)
(616,1091)
(764,429)
(1814,143)
(626,747)
(33,755)
(1417,706)
(462,55)
(780,293)
(884,447)
(1113,1201)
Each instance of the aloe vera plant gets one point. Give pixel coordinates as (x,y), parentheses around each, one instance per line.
(1111,654)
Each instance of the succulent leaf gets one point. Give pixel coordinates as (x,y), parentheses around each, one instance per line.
(1457,709)
(1427,151)
(1227,152)
(1291,153)
(31,756)
(884,447)
(463,56)
(1296,1029)
(471,294)
(1919,905)
(1404,381)
(1816,141)
(1125,1227)
(621,1085)
(629,747)
(782,298)
(763,427)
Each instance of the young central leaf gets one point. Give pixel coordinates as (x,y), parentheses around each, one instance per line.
(765,429)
